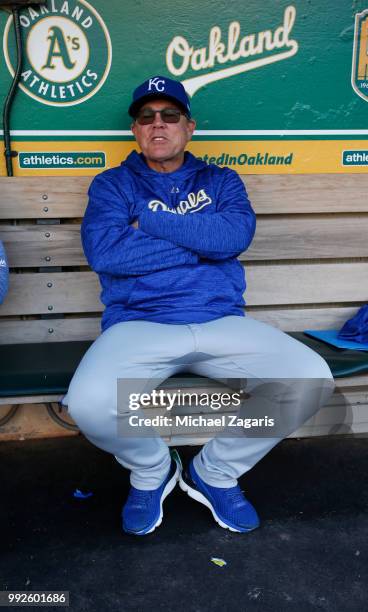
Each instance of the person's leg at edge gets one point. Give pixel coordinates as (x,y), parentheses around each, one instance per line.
(130,350)
(262,354)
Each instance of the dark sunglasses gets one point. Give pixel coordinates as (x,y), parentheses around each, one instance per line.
(168,115)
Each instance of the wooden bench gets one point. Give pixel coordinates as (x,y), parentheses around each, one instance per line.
(307,268)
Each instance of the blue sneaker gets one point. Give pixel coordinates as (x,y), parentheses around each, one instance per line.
(142,512)
(229,507)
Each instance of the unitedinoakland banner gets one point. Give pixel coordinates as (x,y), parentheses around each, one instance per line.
(276,87)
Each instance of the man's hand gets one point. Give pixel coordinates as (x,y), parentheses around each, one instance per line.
(135,224)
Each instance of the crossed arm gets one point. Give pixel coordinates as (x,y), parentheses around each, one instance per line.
(223,234)
(159,240)
(112,246)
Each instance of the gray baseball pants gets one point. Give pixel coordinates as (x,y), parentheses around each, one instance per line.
(225,348)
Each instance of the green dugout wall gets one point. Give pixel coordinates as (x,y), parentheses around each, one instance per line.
(276,87)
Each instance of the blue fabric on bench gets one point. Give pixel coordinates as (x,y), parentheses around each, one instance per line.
(331,336)
(342,362)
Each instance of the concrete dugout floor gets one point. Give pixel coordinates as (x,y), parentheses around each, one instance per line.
(311,552)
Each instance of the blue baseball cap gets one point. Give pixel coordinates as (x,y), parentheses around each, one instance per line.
(356,329)
(160,87)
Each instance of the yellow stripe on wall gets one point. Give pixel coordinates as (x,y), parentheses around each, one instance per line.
(299,157)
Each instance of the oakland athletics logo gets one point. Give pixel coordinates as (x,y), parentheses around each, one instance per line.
(359,73)
(67,52)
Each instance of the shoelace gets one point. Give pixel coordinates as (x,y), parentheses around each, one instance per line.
(140,497)
(235,495)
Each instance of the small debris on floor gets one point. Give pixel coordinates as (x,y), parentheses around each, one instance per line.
(80,495)
(219,562)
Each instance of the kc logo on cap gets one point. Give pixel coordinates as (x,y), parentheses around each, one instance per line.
(155,82)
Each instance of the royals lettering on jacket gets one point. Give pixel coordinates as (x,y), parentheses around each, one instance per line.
(193,203)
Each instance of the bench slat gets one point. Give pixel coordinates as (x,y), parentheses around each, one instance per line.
(88,328)
(30,399)
(307,193)
(296,319)
(22,197)
(268,285)
(37,330)
(69,292)
(306,283)
(350,386)
(43,245)
(290,238)
(309,237)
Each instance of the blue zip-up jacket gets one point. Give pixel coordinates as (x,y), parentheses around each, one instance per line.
(4,273)
(180,265)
